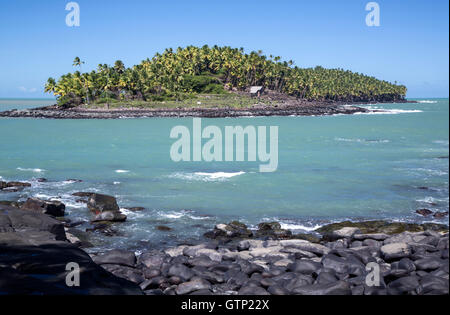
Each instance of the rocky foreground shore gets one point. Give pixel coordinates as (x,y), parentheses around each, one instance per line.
(79,113)
(365,258)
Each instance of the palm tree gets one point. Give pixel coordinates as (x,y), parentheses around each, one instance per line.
(165,75)
(50,86)
(77,63)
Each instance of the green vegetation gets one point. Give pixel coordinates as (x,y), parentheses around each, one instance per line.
(190,72)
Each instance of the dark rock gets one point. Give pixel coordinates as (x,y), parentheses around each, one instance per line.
(51,261)
(424,212)
(175,280)
(232,230)
(371,243)
(358,290)
(154,292)
(267,282)
(336,288)
(152,260)
(105,229)
(440,215)
(375,290)
(163,228)
(237,278)
(105,207)
(277,290)
(305,267)
(17,184)
(269,226)
(102,203)
(153,283)
(181,271)
(151,273)
(191,286)
(272,230)
(336,263)
(135,209)
(12,189)
(251,268)
(117,257)
(201,292)
(299,280)
(251,290)
(28,228)
(202,261)
(325,277)
(402,286)
(125,272)
(356,244)
(83,194)
(210,276)
(53,208)
(434,285)
(402,268)
(429,263)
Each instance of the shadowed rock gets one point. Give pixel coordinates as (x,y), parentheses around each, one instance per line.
(41,270)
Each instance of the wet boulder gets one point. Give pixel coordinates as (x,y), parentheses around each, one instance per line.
(17,184)
(99,203)
(272,230)
(110,216)
(440,215)
(105,208)
(424,212)
(234,229)
(53,208)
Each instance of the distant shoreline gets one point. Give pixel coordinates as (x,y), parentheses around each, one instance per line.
(299,109)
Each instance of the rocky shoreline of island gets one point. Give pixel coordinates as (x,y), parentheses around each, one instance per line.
(231,259)
(285,108)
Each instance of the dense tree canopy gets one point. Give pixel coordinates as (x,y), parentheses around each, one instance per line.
(213,70)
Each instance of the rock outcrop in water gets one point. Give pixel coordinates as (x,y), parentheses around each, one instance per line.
(53,208)
(55,113)
(105,208)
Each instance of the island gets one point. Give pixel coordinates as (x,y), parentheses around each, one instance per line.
(210,82)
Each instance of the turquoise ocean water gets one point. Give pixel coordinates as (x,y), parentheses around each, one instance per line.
(370,166)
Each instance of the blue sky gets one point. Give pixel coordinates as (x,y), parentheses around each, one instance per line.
(411,46)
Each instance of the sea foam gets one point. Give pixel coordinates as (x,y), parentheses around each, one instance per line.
(203,176)
(390,112)
(34,170)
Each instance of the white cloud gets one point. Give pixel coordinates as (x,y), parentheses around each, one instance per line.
(26,90)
